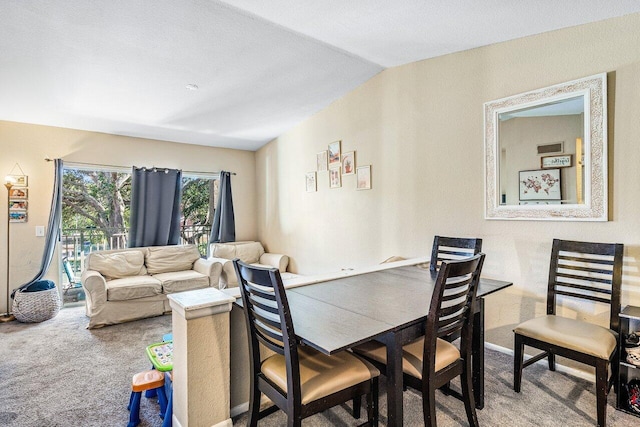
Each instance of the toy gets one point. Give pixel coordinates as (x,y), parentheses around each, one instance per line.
(161,355)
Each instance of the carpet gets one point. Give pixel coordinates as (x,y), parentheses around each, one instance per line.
(59,374)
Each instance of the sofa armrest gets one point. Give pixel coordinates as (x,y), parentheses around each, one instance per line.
(278,261)
(211,268)
(96,287)
(228,275)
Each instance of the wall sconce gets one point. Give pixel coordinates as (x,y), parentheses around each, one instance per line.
(9,181)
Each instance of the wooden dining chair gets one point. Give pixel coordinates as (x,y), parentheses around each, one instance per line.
(431,361)
(299,380)
(450,248)
(587,271)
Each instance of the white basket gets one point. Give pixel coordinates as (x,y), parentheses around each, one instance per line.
(33,307)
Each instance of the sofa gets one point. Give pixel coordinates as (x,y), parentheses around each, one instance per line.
(129,284)
(249,252)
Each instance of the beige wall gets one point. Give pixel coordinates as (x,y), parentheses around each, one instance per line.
(420,126)
(30,144)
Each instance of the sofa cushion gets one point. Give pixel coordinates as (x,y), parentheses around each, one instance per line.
(166,259)
(180,281)
(249,252)
(133,287)
(118,265)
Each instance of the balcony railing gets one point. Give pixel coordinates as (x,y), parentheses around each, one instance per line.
(77,243)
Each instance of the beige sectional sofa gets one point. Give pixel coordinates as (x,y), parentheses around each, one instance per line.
(249,252)
(130,284)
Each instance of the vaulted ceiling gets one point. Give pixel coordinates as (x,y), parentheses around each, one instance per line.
(260,67)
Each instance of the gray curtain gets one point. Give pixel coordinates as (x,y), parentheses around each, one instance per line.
(53,226)
(224,223)
(155,207)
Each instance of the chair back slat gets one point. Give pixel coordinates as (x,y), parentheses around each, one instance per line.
(269,323)
(452,248)
(588,271)
(451,305)
(264,300)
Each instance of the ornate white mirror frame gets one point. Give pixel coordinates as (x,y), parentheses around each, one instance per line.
(593,207)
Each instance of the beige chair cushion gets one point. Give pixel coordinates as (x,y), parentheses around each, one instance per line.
(117,265)
(446,354)
(179,281)
(132,288)
(320,375)
(166,259)
(570,333)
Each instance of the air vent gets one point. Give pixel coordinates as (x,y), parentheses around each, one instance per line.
(556,147)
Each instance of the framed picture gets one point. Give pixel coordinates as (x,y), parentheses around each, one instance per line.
(349,163)
(563,161)
(17,216)
(321,161)
(363,177)
(18,193)
(334,178)
(311,182)
(543,184)
(334,155)
(18,204)
(19,180)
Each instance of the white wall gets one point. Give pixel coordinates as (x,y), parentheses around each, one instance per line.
(28,145)
(420,126)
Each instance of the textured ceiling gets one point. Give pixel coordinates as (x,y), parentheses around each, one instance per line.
(121,66)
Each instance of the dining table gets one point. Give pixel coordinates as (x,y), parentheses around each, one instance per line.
(389,305)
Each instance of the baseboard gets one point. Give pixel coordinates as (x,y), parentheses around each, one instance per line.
(560,368)
(244,407)
(225,423)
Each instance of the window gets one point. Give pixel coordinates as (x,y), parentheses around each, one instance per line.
(95,210)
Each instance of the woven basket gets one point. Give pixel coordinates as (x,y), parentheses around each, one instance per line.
(33,307)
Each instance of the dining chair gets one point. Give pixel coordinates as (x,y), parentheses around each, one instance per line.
(298,379)
(449,248)
(431,361)
(587,271)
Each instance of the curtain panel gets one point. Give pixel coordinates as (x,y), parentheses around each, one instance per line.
(155,207)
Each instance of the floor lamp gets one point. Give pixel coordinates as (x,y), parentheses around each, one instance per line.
(8,317)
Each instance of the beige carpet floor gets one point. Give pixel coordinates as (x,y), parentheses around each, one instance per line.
(57,373)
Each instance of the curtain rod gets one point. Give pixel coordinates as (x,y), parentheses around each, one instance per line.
(119,167)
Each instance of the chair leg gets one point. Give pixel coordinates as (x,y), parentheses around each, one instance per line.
(552,361)
(254,406)
(615,368)
(357,405)
(467,395)
(602,386)
(134,416)
(518,361)
(372,403)
(162,400)
(429,406)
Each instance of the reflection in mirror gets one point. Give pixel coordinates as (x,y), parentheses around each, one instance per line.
(546,151)
(529,136)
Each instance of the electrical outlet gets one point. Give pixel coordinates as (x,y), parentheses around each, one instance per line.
(39,230)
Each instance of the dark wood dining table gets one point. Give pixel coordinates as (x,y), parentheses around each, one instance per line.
(388,305)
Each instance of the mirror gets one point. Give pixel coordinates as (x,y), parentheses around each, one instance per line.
(546,153)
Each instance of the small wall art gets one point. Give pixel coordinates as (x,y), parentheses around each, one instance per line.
(18,193)
(349,163)
(321,161)
(18,216)
(334,155)
(311,183)
(543,184)
(563,161)
(17,204)
(335,180)
(20,180)
(363,177)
